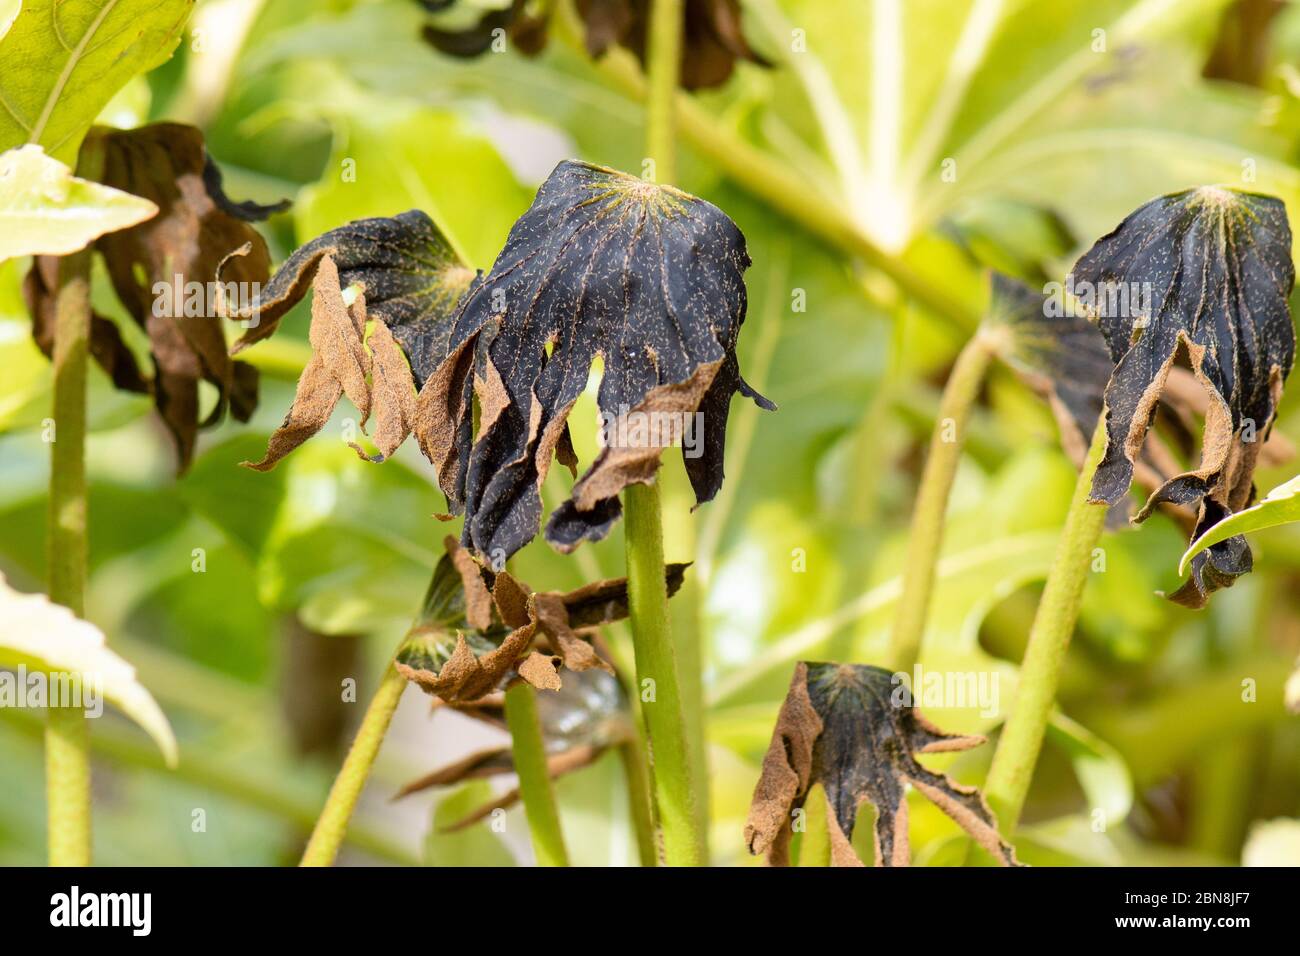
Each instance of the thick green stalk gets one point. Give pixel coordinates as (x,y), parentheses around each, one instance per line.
(657,681)
(671,766)
(926,534)
(1049,639)
(632,753)
(67,736)
(529,749)
(332,823)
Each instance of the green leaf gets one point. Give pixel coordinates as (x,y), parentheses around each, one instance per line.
(38,634)
(8,13)
(64,60)
(1279,506)
(45,210)
(1101,771)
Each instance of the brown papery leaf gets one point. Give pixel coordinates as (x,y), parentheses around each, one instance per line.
(647,278)
(177,251)
(1199,278)
(407,280)
(853,729)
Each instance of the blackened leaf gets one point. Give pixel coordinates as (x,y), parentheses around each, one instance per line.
(178,251)
(852,728)
(407,280)
(1200,277)
(1059,354)
(526,33)
(411,277)
(648,278)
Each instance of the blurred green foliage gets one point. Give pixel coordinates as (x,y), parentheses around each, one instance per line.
(341,107)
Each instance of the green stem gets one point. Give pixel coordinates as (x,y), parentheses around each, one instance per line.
(67,737)
(1049,639)
(656,663)
(332,824)
(672,769)
(665,59)
(632,753)
(926,535)
(534,779)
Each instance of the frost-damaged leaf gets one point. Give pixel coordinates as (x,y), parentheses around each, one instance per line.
(164,272)
(646,277)
(712,40)
(39,635)
(853,729)
(1199,278)
(408,280)
(478,628)
(527,33)
(586,717)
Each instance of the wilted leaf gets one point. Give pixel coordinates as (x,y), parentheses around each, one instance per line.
(64,60)
(1280,506)
(712,40)
(1200,278)
(45,210)
(602,264)
(40,635)
(408,280)
(852,728)
(164,272)
(527,33)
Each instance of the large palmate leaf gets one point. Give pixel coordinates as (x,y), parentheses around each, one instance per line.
(917,109)
(64,60)
(645,277)
(45,210)
(42,636)
(1203,275)
(854,729)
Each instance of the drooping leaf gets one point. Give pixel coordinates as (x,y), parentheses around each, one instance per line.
(45,210)
(712,39)
(64,60)
(408,280)
(164,272)
(1202,278)
(853,729)
(46,637)
(1280,506)
(648,278)
(527,33)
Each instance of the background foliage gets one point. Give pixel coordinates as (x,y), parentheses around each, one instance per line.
(314,570)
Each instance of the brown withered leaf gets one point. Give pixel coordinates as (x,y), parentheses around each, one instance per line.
(478,628)
(179,251)
(712,39)
(1199,278)
(853,729)
(646,277)
(407,280)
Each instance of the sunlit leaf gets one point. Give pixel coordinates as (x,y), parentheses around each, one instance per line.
(45,210)
(40,635)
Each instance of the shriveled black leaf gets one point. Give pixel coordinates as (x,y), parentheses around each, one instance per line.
(526,32)
(646,277)
(179,250)
(1199,278)
(408,280)
(853,729)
